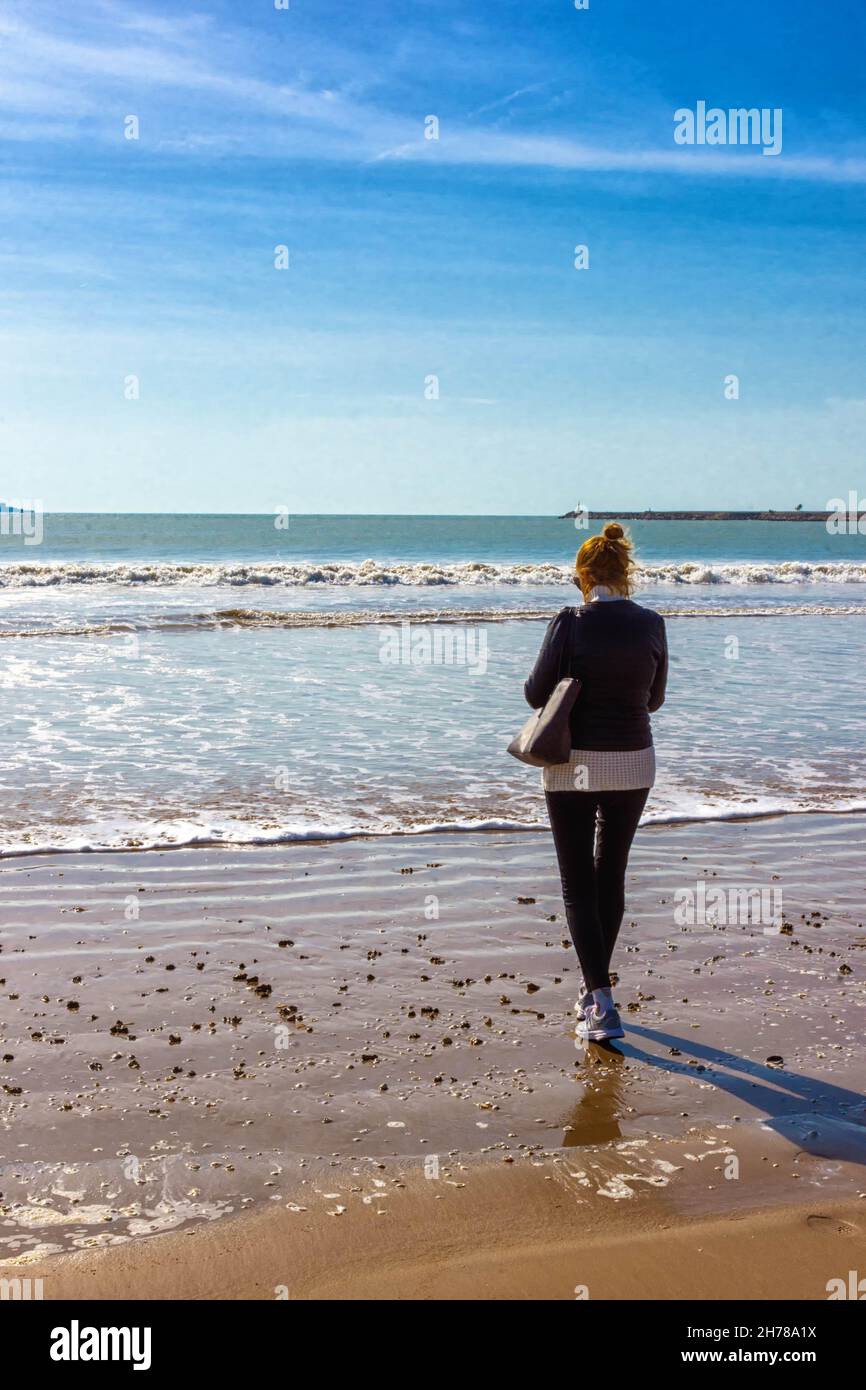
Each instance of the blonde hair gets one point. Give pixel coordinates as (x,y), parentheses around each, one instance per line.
(606,559)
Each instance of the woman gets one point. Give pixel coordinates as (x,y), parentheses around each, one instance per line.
(618,650)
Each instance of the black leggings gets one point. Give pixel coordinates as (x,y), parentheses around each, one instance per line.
(593,832)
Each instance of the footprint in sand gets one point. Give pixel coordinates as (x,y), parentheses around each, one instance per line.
(828,1223)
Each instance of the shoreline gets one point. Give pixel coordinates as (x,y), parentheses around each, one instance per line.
(658,820)
(497,1236)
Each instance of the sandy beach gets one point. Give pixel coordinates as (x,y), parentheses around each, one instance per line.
(348,1070)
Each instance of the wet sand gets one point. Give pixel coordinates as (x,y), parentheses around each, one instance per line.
(354,1064)
(477,1233)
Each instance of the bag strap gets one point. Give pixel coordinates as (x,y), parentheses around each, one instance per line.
(566,653)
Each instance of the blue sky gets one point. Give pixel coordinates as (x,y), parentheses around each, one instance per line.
(410,258)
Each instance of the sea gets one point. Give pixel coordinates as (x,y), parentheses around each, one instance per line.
(175,680)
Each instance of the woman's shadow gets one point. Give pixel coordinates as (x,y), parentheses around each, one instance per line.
(821,1118)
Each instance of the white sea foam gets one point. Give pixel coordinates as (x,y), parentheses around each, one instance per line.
(59,625)
(239,836)
(373,574)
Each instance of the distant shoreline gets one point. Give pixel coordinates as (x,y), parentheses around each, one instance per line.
(702,516)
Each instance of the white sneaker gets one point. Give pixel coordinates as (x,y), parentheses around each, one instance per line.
(598,1026)
(583,1005)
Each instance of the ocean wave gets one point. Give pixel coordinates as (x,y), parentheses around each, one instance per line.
(244,837)
(263,618)
(413,574)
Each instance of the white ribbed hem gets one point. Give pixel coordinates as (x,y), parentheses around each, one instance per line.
(602,770)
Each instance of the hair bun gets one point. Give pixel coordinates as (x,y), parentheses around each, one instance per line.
(613,531)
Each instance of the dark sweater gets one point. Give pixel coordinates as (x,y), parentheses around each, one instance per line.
(619,652)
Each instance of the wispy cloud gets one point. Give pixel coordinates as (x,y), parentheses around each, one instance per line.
(44,70)
(217,98)
(480,147)
(506,100)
